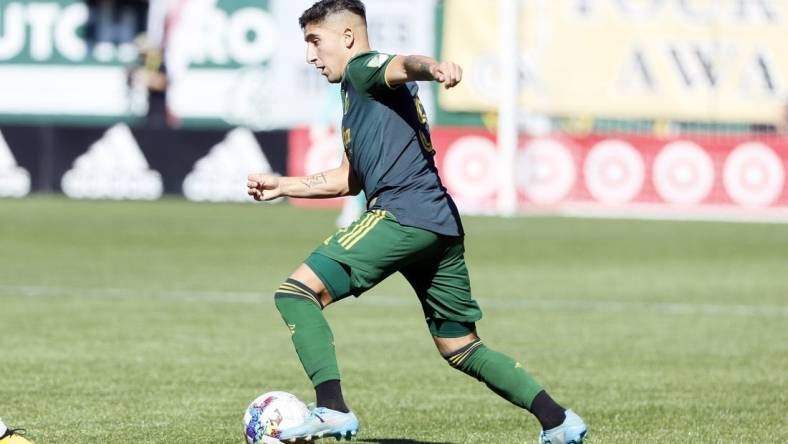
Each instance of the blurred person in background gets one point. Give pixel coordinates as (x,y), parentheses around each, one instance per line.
(148,78)
(165,49)
(412,226)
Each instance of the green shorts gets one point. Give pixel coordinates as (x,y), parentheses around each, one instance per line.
(357,258)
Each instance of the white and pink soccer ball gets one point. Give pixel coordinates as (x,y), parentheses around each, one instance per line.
(269,414)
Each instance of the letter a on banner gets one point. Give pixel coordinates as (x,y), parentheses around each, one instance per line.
(14,180)
(218,176)
(114,167)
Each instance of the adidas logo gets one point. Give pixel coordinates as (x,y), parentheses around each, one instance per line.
(114,167)
(14,180)
(220,176)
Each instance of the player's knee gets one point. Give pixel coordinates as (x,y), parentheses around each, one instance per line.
(450,336)
(295,291)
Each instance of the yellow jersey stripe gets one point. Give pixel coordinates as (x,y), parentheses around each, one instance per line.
(379,217)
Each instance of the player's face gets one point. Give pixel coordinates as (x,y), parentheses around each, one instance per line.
(326,50)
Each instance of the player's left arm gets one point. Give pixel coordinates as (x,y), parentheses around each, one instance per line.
(340,181)
(402,69)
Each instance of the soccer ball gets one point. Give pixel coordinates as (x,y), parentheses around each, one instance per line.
(269,414)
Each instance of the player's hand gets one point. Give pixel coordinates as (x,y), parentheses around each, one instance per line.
(263,187)
(448,73)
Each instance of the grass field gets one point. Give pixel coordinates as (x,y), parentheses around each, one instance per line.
(154,323)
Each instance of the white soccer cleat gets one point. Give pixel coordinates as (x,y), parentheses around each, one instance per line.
(322,422)
(572,431)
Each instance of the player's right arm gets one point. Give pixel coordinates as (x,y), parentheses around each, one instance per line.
(332,183)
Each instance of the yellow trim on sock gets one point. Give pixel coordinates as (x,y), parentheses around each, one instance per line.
(457,360)
(289,286)
(292,289)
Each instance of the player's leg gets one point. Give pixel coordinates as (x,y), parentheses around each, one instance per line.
(349,262)
(300,301)
(443,286)
(323,278)
(504,376)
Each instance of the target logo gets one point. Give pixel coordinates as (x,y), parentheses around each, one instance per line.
(614,172)
(683,173)
(753,175)
(546,171)
(470,168)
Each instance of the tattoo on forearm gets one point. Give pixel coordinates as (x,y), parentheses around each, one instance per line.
(418,67)
(312,181)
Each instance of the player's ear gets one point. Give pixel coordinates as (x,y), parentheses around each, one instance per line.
(349,38)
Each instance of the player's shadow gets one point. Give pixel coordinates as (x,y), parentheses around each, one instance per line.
(399,441)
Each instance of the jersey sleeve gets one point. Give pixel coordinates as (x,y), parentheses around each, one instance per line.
(367,73)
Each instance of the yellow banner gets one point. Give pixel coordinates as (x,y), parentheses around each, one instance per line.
(719,60)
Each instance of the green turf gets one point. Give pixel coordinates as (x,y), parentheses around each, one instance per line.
(154,322)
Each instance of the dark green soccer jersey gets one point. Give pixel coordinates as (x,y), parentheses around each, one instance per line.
(387,140)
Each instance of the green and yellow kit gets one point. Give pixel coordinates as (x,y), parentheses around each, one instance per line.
(412,225)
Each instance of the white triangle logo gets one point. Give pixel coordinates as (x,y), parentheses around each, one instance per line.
(220,175)
(14,180)
(114,167)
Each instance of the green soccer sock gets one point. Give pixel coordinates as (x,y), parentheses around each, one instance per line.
(301,310)
(502,374)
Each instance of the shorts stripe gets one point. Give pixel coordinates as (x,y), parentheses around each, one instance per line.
(355,229)
(379,216)
(368,219)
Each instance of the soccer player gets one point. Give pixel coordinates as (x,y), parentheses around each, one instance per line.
(411,226)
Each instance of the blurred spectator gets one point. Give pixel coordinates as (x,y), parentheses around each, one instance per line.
(173,29)
(149,75)
(152,70)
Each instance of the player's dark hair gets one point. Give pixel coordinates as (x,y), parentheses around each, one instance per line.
(322,9)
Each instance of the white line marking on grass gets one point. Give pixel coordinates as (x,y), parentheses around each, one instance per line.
(676,308)
(575,305)
(129,293)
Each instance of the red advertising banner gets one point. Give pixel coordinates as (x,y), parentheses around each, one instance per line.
(312,150)
(714,176)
